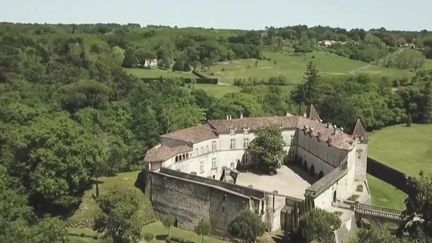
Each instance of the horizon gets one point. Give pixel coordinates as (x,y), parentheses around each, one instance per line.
(202,27)
(393,15)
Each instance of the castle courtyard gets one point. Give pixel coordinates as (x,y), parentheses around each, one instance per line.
(287,181)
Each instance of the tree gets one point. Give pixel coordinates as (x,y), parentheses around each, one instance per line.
(267,149)
(17,221)
(148,236)
(203,228)
(50,230)
(409,120)
(53,159)
(319,225)
(426,108)
(247,226)
(84,93)
(311,83)
(130,59)
(307,92)
(376,233)
(418,213)
(120,217)
(168,221)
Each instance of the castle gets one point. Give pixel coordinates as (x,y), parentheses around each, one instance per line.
(188,167)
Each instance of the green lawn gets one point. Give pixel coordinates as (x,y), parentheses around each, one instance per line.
(293,67)
(157,228)
(217,90)
(385,195)
(408,149)
(157,73)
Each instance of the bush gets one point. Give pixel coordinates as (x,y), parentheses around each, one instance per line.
(148,236)
(247,226)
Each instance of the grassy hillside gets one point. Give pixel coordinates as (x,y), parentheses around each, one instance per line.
(293,66)
(408,149)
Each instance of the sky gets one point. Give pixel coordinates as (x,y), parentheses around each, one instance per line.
(227,14)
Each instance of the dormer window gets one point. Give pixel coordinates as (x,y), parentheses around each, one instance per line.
(232,131)
(245,130)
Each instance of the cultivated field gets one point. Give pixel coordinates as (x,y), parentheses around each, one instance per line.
(408,149)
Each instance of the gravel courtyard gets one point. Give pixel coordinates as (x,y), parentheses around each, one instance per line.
(287,182)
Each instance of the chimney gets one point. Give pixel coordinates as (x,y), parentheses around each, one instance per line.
(342,129)
(335,129)
(328,124)
(329,141)
(227,117)
(241,115)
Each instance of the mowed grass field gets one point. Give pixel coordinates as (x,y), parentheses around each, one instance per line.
(157,73)
(408,149)
(285,63)
(293,66)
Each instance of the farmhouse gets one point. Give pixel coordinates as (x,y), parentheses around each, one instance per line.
(192,172)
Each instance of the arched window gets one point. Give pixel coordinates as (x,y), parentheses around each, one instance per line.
(312,170)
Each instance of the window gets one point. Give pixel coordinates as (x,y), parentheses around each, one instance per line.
(246,142)
(213,163)
(359,153)
(344,165)
(207,149)
(232,131)
(213,145)
(202,149)
(233,142)
(201,167)
(232,165)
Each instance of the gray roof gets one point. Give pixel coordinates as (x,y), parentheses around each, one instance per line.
(324,183)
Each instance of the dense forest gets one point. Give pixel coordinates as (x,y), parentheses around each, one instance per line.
(69,113)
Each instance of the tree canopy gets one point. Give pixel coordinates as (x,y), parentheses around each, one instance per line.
(267,149)
(247,226)
(319,225)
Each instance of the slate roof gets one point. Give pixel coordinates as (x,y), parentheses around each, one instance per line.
(193,134)
(324,183)
(326,132)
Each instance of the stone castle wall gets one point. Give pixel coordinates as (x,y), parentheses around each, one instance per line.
(191,198)
(190,201)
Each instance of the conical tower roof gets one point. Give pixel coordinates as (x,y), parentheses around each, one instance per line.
(313,114)
(359,131)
